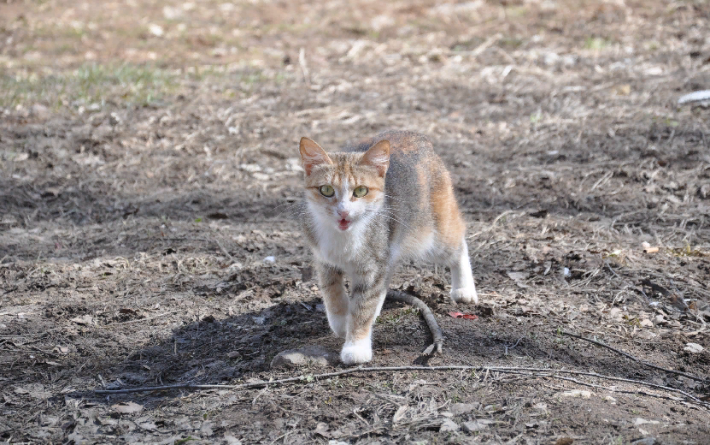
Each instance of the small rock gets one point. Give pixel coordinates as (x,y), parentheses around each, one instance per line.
(448,425)
(693,348)
(704,191)
(231,440)
(551,58)
(156,30)
(85,320)
(307,356)
(577,393)
(270,259)
(646,323)
(463,408)
(39,111)
(610,399)
(646,441)
(476,425)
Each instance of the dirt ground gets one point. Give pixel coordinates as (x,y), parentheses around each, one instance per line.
(148,168)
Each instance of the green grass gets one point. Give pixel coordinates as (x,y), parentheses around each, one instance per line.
(596,43)
(93,83)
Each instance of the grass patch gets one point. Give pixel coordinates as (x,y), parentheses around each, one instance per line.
(596,43)
(131,84)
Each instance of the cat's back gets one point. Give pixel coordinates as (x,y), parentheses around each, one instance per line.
(405,146)
(420,199)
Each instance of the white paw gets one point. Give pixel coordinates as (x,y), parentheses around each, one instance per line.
(356,352)
(465,295)
(339,325)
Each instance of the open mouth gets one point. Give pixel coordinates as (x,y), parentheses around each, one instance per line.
(343,224)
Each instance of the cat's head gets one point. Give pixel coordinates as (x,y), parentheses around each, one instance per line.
(344,189)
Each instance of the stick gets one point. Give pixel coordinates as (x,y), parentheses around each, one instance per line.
(221,247)
(304,66)
(436,332)
(629,356)
(508,370)
(139,319)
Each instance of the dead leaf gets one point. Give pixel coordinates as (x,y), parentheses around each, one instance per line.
(564,441)
(679,302)
(127,408)
(622,90)
(519,278)
(84,320)
(462,315)
(322,429)
(400,413)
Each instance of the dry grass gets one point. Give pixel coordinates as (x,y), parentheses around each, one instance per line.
(144,177)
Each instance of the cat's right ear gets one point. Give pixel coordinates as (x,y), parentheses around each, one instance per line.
(312,155)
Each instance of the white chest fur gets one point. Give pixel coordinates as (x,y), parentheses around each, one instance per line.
(337,247)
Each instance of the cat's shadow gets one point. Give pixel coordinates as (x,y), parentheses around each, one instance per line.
(223,350)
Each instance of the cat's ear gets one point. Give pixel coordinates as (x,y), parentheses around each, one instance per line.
(312,155)
(378,156)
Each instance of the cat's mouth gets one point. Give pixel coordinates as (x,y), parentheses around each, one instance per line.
(343,224)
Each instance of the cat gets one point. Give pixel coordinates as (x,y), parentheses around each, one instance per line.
(366,209)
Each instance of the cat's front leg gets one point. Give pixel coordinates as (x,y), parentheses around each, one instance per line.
(335,298)
(365,304)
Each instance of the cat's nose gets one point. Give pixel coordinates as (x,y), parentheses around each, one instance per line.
(343,213)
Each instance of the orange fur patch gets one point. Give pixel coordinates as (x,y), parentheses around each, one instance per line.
(449,222)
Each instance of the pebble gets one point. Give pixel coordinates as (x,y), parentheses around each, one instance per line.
(693,348)
(307,356)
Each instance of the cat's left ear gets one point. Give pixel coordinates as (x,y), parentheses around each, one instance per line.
(378,156)
(312,155)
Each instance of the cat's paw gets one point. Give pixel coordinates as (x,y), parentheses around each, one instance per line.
(465,295)
(339,325)
(354,353)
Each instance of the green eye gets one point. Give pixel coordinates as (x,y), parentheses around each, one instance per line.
(360,191)
(327,191)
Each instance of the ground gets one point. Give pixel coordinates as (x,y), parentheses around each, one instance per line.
(148,170)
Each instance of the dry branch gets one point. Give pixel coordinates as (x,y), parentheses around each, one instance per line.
(532,372)
(631,357)
(436,332)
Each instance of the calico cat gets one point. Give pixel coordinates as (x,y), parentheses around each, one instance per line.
(366,209)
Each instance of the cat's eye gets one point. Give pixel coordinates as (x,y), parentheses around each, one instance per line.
(327,190)
(360,191)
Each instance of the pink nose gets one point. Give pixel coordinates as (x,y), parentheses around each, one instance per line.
(343,213)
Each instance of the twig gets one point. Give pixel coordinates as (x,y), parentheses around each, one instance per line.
(631,357)
(221,247)
(608,266)
(304,65)
(139,319)
(436,332)
(508,370)
(485,45)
